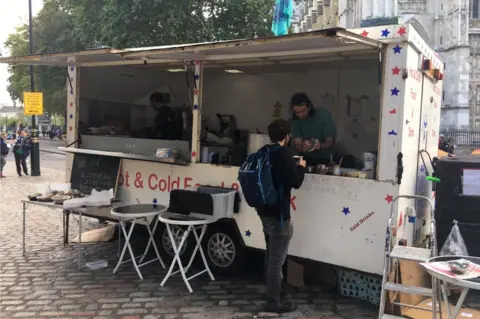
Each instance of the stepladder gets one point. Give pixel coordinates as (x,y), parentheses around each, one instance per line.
(394,253)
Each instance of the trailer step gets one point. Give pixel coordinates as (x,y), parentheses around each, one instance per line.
(411,253)
(384,316)
(409,289)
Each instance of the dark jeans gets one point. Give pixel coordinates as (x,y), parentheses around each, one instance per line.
(21,160)
(277,239)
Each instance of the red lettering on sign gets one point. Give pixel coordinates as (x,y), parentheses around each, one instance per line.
(361,221)
(127,182)
(438,91)
(235,186)
(162,185)
(413,94)
(186,182)
(292,203)
(152,181)
(411,132)
(416,74)
(175,184)
(120,180)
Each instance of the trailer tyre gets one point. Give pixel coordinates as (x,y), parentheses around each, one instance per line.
(165,246)
(224,251)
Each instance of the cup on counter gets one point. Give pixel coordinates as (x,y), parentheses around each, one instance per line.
(336,170)
(311,169)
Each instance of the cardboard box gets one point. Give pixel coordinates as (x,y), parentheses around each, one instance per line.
(427,303)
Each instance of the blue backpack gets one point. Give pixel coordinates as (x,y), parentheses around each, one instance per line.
(255,177)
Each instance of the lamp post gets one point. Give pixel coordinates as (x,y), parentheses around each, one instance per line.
(35,153)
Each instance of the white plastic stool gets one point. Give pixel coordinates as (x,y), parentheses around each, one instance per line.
(133,213)
(192,224)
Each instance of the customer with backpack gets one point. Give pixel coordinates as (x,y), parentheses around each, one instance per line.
(21,150)
(267,178)
(3,153)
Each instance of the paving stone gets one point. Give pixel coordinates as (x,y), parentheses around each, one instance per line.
(49,284)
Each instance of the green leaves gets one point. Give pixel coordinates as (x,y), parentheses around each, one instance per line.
(69,25)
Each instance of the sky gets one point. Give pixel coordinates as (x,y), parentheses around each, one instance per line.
(12,14)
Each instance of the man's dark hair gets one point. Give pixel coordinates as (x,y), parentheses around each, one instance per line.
(299,99)
(278,130)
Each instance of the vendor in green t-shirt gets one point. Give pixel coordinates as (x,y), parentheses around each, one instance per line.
(313,130)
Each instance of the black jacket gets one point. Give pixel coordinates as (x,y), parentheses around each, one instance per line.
(285,173)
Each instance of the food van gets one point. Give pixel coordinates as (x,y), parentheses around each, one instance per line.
(382,86)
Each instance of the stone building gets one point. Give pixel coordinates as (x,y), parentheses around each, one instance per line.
(451,27)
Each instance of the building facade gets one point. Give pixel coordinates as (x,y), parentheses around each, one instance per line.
(451,27)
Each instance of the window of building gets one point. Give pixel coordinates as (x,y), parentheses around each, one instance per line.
(441,6)
(441,40)
(474,9)
(443,95)
(444,66)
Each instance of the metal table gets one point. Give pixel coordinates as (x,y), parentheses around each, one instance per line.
(464,284)
(192,224)
(133,213)
(93,212)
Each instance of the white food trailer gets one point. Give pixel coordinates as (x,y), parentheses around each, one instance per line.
(371,80)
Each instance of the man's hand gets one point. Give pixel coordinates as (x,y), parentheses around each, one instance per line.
(302,162)
(306,146)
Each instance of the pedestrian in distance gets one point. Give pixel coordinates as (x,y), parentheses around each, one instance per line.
(3,153)
(21,150)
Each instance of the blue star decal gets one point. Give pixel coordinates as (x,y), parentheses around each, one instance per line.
(397,49)
(346,210)
(395,91)
(385,33)
(71,92)
(392,132)
(425,124)
(248,233)
(195,107)
(154,202)
(422,168)
(71,116)
(196,77)
(72,69)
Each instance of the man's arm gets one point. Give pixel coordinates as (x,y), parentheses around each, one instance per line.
(292,174)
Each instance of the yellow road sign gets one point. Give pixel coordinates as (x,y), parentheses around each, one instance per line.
(33,103)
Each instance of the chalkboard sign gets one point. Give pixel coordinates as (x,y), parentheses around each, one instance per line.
(94,172)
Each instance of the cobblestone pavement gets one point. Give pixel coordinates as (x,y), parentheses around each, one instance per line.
(49,284)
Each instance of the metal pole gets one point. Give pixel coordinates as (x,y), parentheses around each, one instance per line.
(35,152)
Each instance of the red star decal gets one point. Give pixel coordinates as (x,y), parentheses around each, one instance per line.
(194,154)
(402,31)
(364,33)
(393,111)
(197,62)
(396,71)
(70,128)
(71,104)
(195,92)
(389,198)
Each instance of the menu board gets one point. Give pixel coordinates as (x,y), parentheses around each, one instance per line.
(91,172)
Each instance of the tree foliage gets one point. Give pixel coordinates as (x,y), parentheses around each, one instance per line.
(67,25)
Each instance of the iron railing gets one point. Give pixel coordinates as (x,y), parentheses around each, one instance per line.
(467,138)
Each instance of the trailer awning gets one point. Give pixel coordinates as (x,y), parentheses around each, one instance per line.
(336,41)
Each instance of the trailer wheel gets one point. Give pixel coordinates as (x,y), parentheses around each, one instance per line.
(223,249)
(165,245)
